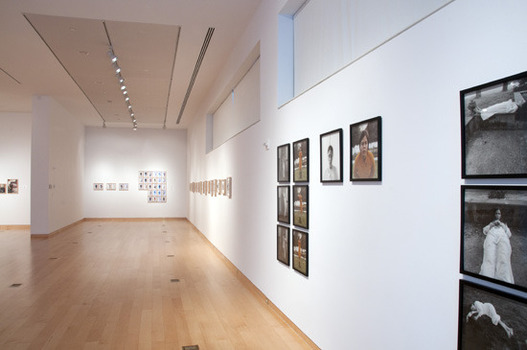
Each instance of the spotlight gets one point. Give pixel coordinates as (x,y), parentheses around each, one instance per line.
(123,87)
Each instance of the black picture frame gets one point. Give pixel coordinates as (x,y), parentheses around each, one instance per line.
(301,252)
(366,165)
(493,251)
(283,163)
(283,244)
(283,197)
(301,206)
(494,128)
(331,168)
(301,160)
(490,318)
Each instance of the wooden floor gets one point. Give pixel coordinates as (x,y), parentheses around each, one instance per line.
(129,285)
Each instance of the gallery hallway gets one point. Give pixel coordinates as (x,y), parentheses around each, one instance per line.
(155,284)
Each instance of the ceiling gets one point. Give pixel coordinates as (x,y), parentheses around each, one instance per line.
(169,53)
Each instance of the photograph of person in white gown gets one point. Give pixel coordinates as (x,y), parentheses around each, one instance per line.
(494,234)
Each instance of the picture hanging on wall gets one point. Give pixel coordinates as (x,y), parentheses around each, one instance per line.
(331,156)
(366,157)
(300,252)
(301,161)
(98,186)
(284,163)
(490,319)
(493,234)
(12,186)
(301,206)
(283,197)
(229,187)
(494,128)
(2,188)
(111,186)
(283,245)
(123,187)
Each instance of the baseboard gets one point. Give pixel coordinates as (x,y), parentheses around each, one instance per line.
(257,292)
(14,227)
(45,236)
(133,219)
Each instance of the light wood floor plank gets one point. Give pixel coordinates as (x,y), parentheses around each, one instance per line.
(129,285)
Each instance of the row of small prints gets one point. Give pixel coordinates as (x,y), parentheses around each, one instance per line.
(10,187)
(221,187)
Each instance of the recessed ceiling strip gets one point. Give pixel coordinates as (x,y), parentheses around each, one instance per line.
(171,78)
(196,70)
(10,76)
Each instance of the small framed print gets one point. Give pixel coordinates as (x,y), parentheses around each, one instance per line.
(3,188)
(301,206)
(494,129)
(12,186)
(366,157)
(283,198)
(301,252)
(283,245)
(229,187)
(98,186)
(284,163)
(493,241)
(331,156)
(111,186)
(490,319)
(123,187)
(301,161)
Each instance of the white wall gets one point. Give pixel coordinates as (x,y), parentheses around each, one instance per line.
(15,160)
(384,257)
(117,155)
(57,166)
(66,169)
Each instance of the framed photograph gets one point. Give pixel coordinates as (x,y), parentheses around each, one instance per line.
(98,186)
(284,163)
(300,252)
(490,319)
(283,245)
(2,188)
(123,187)
(366,157)
(300,206)
(229,187)
(493,239)
(111,186)
(331,156)
(301,161)
(494,128)
(12,186)
(284,200)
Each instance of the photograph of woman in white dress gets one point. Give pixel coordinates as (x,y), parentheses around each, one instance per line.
(494,234)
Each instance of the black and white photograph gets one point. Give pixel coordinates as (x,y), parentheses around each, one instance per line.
(284,200)
(490,319)
(494,128)
(111,186)
(123,186)
(366,157)
(284,163)
(494,234)
(301,252)
(300,206)
(98,186)
(283,244)
(331,156)
(301,161)
(2,188)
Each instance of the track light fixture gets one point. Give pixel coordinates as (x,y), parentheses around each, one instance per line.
(120,78)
